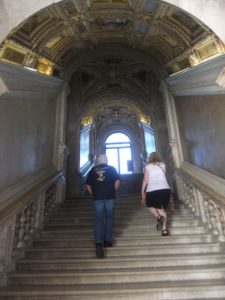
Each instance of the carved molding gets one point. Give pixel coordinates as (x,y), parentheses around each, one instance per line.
(206,78)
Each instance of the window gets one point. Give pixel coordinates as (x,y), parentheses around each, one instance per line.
(118,151)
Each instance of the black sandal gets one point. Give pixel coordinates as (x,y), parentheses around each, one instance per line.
(165,232)
(159,222)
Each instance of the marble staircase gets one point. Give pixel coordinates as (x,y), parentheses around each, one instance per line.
(61,264)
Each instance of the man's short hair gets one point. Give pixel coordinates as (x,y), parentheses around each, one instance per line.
(102,159)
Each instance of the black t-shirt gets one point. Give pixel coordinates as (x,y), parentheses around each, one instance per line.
(102,178)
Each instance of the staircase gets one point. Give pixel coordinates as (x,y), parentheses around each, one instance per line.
(188,264)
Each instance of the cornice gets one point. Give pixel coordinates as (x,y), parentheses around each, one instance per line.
(205,78)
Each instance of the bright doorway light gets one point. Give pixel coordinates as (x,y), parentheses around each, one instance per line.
(118,151)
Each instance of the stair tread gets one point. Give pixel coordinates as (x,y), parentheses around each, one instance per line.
(146,238)
(113,272)
(120,287)
(173,245)
(62,261)
(118,259)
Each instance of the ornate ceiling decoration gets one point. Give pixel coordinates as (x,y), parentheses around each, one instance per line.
(116,115)
(116,72)
(49,40)
(120,82)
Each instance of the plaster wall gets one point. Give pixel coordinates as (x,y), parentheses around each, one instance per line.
(201,124)
(13,12)
(27,131)
(27,124)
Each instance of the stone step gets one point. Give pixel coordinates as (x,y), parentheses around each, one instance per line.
(112,276)
(129,222)
(123,212)
(166,249)
(189,290)
(88,232)
(188,264)
(129,203)
(153,261)
(135,216)
(140,241)
(119,207)
(121,223)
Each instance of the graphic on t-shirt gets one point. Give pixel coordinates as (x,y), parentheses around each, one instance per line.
(100,175)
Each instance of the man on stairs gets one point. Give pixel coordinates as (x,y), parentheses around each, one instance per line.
(102,184)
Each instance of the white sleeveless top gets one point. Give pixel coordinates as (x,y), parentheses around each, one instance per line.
(156,177)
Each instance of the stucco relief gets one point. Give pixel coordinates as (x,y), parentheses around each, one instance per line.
(115,114)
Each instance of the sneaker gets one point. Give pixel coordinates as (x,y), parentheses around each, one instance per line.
(99,251)
(107,244)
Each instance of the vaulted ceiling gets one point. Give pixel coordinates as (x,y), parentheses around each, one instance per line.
(51,39)
(118,49)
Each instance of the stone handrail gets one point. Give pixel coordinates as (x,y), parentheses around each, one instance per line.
(203,201)
(22,220)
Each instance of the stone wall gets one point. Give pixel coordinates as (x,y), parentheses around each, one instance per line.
(27,122)
(201,124)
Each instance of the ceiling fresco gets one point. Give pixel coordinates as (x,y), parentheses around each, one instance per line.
(49,40)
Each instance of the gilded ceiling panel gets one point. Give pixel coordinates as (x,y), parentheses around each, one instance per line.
(150,6)
(173,38)
(69,6)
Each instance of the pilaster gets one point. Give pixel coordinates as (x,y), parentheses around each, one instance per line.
(173,130)
(61,150)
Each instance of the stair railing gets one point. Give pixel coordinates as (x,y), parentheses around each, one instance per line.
(22,220)
(204,202)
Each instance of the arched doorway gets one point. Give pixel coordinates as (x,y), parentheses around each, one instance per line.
(118,151)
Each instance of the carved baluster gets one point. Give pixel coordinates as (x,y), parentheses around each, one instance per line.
(192,200)
(179,188)
(195,201)
(33,219)
(50,201)
(201,207)
(189,192)
(27,222)
(220,223)
(20,232)
(185,193)
(207,211)
(213,220)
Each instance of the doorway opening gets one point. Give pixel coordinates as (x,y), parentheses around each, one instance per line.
(118,151)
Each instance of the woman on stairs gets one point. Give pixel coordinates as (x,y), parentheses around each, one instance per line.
(156,190)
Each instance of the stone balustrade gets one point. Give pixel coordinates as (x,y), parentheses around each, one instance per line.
(23,220)
(203,204)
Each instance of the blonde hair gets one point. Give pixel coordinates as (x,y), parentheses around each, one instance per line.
(154,157)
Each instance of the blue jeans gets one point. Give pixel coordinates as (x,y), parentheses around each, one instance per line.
(104,220)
